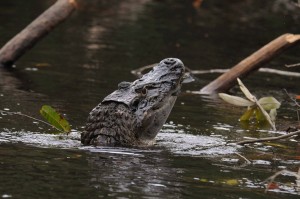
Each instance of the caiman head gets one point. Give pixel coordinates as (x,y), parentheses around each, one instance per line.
(149,99)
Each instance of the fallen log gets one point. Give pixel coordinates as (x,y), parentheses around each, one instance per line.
(35,31)
(225,81)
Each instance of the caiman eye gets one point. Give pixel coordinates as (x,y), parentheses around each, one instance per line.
(143,91)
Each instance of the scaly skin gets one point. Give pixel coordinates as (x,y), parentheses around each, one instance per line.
(134,114)
(107,123)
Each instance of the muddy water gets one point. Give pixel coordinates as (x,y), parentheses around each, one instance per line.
(84,59)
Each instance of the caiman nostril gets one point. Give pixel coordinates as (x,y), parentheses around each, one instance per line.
(170,61)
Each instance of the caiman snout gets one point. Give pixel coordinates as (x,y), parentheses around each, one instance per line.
(172,61)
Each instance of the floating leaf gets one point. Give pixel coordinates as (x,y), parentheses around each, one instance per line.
(55,118)
(247,115)
(273,114)
(203,180)
(259,115)
(253,99)
(42,65)
(258,106)
(237,101)
(266,115)
(232,182)
(272,185)
(269,103)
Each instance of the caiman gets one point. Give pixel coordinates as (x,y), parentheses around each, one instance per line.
(134,114)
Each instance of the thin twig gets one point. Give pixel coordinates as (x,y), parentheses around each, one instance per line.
(24,115)
(139,72)
(279,72)
(292,65)
(247,161)
(269,138)
(272,178)
(291,98)
(295,102)
(264,70)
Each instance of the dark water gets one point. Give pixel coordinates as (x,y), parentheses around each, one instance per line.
(84,59)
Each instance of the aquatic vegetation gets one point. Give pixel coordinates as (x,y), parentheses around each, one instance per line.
(55,119)
(254,106)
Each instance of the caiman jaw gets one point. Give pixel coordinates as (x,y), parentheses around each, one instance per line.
(166,79)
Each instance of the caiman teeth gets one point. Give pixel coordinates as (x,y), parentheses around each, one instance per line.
(187,78)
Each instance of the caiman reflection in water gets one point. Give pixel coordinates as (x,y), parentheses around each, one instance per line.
(138,174)
(134,114)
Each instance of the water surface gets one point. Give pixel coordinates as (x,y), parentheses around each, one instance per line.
(84,59)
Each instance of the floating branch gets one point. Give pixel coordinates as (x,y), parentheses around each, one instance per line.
(251,63)
(269,138)
(35,31)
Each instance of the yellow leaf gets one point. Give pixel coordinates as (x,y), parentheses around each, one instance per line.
(232,182)
(247,115)
(237,101)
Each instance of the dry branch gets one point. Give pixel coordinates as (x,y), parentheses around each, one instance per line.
(251,63)
(269,138)
(35,31)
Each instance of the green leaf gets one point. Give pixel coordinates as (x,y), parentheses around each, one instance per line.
(55,118)
(253,99)
(266,115)
(237,101)
(273,114)
(269,103)
(247,115)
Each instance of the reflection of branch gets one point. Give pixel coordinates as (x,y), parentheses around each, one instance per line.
(269,138)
